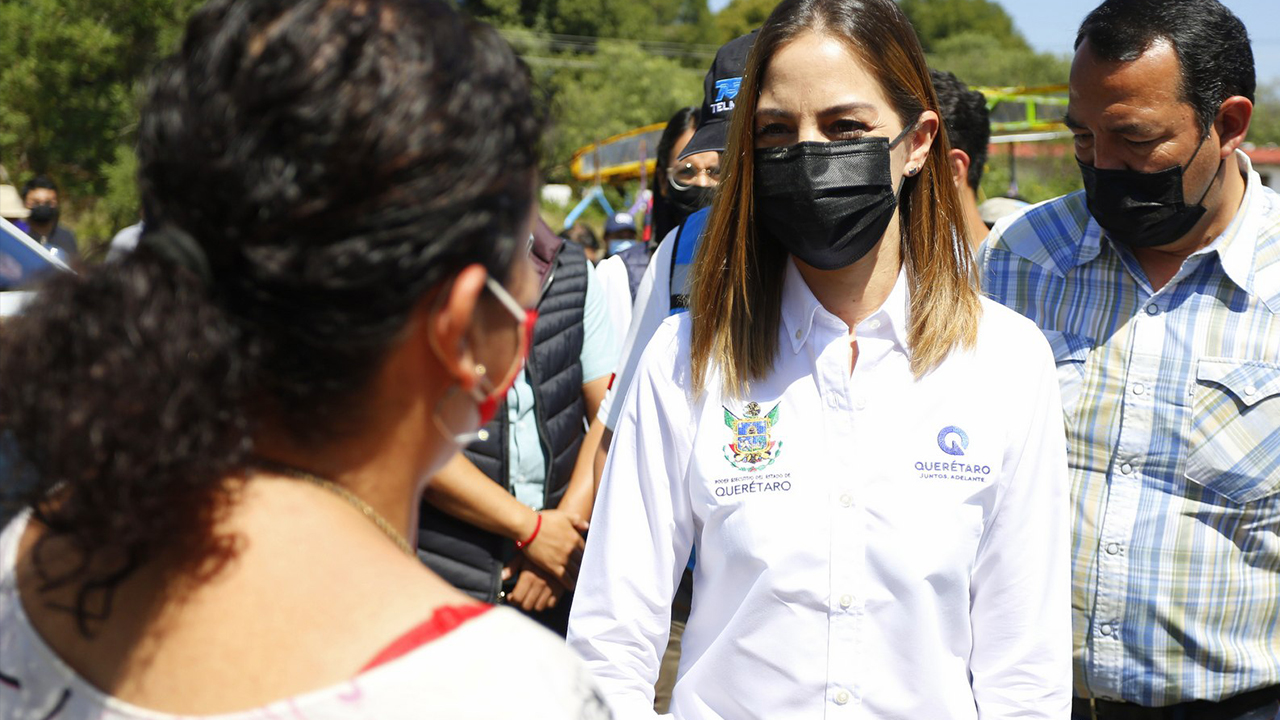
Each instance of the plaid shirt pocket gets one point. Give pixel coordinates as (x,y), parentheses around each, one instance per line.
(1234,440)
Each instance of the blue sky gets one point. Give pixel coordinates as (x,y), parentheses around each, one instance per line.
(1050,26)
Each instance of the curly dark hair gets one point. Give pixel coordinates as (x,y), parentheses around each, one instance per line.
(1211,43)
(334,160)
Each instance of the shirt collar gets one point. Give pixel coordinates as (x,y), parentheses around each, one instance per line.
(1237,258)
(1237,245)
(801,310)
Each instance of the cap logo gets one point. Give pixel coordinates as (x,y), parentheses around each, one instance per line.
(726,91)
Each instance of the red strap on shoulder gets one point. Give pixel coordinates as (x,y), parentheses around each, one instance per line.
(445,619)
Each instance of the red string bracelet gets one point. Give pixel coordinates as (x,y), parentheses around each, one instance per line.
(522,544)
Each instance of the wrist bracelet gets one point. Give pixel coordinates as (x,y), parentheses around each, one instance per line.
(522,544)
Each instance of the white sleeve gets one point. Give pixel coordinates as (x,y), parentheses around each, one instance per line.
(1020,602)
(652,306)
(642,530)
(611,274)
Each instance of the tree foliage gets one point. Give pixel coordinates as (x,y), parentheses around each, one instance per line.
(1265,126)
(686,21)
(70,83)
(618,88)
(980,59)
(740,17)
(937,20)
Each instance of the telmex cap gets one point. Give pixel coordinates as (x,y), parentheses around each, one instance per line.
(718,91)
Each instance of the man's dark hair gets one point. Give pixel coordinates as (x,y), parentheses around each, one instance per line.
(39,182)
(1211,43)
(582,234)
(334,162)
(964,111)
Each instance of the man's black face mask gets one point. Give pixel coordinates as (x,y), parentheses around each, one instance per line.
(43,213)
(1141,209)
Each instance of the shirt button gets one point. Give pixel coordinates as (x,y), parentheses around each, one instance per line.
(1126,468)
(798,334)
(846,601)
(860,403)
(874,324)
(842,697)
(846,500)
(1153,309)
(1112,549)
(832,399)
(1107,629)
(1250,390)
(1139,388)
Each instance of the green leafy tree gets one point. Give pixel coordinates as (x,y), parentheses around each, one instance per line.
(70,83)
(937,20)
(980,59)
(618,88)
(740,17)
(686,21)
(1264,129)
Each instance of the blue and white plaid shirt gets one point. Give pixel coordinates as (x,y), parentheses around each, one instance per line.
(1172,403)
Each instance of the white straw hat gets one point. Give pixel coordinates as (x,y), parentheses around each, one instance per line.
(11,207)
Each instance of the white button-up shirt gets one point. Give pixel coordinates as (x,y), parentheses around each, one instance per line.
(869,545)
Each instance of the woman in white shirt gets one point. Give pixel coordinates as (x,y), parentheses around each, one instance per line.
(867,456)
(224,437)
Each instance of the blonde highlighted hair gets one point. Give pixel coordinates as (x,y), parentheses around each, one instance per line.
(737,276)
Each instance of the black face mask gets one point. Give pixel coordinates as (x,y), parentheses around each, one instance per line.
(43,213)
(1141,209)
(691,199)
(827,203)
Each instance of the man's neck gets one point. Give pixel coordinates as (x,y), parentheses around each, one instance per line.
(39,230)
(972,218)
(1162,263)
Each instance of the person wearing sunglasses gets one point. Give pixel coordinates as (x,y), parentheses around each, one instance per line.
(679,188)
(503,520)
(229,430)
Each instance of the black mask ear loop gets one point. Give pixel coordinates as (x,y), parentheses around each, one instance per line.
(1217,172)
(893,144)
(898,140)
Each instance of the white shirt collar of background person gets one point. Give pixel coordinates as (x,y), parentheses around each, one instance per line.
(891,546)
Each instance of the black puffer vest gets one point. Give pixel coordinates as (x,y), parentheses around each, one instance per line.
(468,557)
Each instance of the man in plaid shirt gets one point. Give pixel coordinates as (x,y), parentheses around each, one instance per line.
(1158,287)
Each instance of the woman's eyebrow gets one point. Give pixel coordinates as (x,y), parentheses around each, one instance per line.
(773,113)
(848,108)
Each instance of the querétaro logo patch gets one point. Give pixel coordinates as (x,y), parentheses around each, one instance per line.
(752,448)
(952,440)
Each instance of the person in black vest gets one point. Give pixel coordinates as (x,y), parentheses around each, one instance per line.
(518,539)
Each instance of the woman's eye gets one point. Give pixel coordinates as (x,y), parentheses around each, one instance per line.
(773,129)
(848,127)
